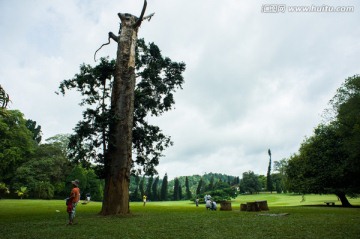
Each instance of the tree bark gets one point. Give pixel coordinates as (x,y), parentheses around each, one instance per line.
(252,207)
(225,206)
(263,205)
(118,160)
(243,207)
(344,201)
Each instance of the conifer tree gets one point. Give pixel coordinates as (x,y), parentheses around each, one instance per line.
(164,186)
(155,193)
(180,191)
(199,188)
(148,191)
(187,188)
(176,194)
(141,186)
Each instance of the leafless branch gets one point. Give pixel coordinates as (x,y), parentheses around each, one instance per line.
(138,22)
(148,17)
(112,36)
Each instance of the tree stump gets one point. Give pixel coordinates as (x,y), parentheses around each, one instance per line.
(263,205)
(225,206)
(243,207)
(252,207)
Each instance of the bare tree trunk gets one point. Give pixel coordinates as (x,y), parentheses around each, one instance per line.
(344,201)
(118,160)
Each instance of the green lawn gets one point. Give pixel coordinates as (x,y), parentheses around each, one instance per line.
(309,219)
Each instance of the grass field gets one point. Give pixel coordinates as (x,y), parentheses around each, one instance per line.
(309,219)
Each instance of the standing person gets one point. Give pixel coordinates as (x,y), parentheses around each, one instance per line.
(88,197)
(197,202)
(73,200)
(144,199)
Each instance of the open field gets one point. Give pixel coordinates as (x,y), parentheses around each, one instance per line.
(309,219)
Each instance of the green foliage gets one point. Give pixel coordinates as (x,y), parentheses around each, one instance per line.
(158,79)
(164,189)
(220,191)
(43,190)
(48,164)
(87,144)
(134,188)
(177,190)
(155,191)
(319,167)
(277,180)
(328,161)
(199,184)
(280,167)
(61,141)
(36,130)
(94,186)
(16,144)
(79,173)
(3,189)
(201,187)
(142,187)
(211,185)
(22,192)
(320,157)
(346,103)
(250,183)
(187,188)
(41,169)
(148,191)
(262,181)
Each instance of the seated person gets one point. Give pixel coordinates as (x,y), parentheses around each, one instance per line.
(213,206)
(208,204)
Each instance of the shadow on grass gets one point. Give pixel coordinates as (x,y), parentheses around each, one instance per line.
(329,206)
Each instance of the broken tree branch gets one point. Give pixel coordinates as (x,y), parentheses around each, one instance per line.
(112,36)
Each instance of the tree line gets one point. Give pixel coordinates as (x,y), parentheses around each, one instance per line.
(32,169)
(29,168)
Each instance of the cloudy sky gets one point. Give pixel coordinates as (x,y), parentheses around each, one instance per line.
(254,80)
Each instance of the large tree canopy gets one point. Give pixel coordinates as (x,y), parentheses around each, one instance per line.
(320,166)
(16,144)
(346,103)
(157,79)
(250,183)
(44,174)
(328,161)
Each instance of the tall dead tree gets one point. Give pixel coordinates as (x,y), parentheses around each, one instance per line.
(118,159)
(4,98)
(269,183)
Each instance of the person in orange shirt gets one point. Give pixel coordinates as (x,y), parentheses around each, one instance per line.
(73,200)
